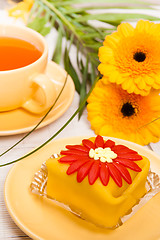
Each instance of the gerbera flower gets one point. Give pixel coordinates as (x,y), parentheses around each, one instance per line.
(131,57)
(101,159)
(114,112)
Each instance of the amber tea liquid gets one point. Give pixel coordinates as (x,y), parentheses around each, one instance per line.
(16,53)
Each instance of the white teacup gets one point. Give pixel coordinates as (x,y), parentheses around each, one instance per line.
(19,86)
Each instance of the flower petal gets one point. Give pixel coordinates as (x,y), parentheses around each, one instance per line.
(124,172)
(124,151)
(77,147)
(87,143)
(105,53)
(143,26)
(104,174)
(125,29)
(76,165)
(99,142)
(121,147)
(94,172)
(129,164)
(115,174)
(133,157)
(74,152)
(68,159)
(83,171)
(109,143)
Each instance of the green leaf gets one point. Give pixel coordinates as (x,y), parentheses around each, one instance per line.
(38,24)
(70,69)
(58,49)
(70,2)
(93,73)
(83,10)
(83,86)
(45,31)
(93,35)
(115,17)
(94,46)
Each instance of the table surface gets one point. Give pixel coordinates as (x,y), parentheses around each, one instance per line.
(8,229)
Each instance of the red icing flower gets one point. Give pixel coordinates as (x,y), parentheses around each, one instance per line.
(101,159)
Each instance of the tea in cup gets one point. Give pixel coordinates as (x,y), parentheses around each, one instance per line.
(23,62)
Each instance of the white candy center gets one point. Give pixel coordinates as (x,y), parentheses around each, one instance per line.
(103,154)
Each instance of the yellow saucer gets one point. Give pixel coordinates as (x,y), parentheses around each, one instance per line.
(41,219)
(20,121)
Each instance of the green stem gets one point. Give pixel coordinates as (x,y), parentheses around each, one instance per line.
(60,130)
(39,121)
(145,125)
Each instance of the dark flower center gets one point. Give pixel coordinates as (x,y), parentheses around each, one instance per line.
(127,109)
(139,56)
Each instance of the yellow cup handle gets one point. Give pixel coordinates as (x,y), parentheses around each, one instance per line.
(49,91)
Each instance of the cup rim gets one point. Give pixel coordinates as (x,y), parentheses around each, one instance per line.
(38,35)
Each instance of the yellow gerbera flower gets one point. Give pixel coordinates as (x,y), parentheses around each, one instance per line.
(21,9)
(131,57)
(114,112)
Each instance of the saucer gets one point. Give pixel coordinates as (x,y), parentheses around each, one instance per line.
(41,219)
(20,120)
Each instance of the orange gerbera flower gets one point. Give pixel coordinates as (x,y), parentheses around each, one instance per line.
(131,57)
(113,112)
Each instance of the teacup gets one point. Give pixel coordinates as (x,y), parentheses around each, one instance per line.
(18,86)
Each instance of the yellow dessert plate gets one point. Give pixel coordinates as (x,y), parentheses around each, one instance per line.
(20,121)
(41,219)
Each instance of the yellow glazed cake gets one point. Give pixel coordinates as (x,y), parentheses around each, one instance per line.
(98,180)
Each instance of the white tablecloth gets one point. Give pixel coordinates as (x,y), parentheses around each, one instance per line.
(8,230)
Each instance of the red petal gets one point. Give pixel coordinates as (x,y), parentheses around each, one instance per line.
(76,165)
(67,159)
(126,151)
(99,142)
(74,152)
(120,147)
(132,157)
(87,143)
(83,171)
(77,147)
(104,174)
(115,174)
(124,172)
(129,164)
(76,157)
(94,172)
(109,143)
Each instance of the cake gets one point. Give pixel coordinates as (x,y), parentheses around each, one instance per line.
(99,180)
